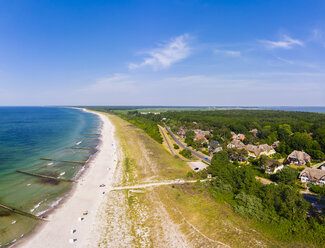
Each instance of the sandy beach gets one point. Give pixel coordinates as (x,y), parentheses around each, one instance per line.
(68,226)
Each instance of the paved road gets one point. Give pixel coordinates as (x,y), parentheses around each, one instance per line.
(204,158)
(314,200)
(170,148)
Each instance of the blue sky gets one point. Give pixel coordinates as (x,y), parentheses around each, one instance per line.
(162,52)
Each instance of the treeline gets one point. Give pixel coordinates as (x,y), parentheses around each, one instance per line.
(149,125)
(146,122)
(280,208)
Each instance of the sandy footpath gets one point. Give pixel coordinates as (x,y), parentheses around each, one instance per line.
(87,196)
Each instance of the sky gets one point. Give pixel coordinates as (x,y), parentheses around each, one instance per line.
(181,52)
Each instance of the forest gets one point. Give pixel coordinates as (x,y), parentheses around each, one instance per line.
(295,130)
(280,208)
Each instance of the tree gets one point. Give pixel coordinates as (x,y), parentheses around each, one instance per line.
(319,135)
(186,153)
(236,154)
(289,203)
(190,134)
(283,148)
(176,146)
(263,160)
(320,190)
(316,154)
(265,132)
(300,141)
(287,175)
(284,131)
(218,164)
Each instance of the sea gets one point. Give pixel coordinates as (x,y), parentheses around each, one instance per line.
(28,134)
(315,109)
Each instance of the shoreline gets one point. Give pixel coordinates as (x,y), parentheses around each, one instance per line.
(85,195)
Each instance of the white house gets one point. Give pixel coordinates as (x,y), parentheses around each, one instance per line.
(314,176)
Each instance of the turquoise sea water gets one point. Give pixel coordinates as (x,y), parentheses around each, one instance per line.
(26,135)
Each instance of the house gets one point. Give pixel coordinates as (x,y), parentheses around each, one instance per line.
(214,146)
(272,166)
(298,158)
(218,149)
(254,132)
(236,144)
(202,139)
(200,132)
(314,176)
(256,151)
(181,132)
(239,136)
(265,149)
(322,167)
(234,136)
(252,150)
(275,144)
(200,135)
(214,143)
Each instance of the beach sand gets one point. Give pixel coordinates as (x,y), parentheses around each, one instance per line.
(65,227)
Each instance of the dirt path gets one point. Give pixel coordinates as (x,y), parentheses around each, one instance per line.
(134,213)
(153,184)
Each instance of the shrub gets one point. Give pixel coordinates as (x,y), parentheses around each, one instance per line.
(186,153)
(176,146)
(189,174)
(317,189)
(287,175)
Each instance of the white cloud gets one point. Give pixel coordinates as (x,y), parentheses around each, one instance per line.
(298,63)
(286,43)
(228,52)
(166,55)
(115,83)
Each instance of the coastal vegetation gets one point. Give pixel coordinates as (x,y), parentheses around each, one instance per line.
(176,146)
(179,208)
(317,189)
(295,130)
(186,153)
(274,215)
(144,157)
(281,208)
(149,125)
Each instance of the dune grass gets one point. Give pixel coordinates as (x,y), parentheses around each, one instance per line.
(144,158)
(206,222)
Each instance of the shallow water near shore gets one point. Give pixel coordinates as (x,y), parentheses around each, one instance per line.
(26,135)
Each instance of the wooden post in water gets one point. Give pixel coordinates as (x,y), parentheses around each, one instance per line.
(64,161)
(22,213)
(84,148)
(47,177)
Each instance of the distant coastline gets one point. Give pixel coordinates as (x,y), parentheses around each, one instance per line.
(315,109)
